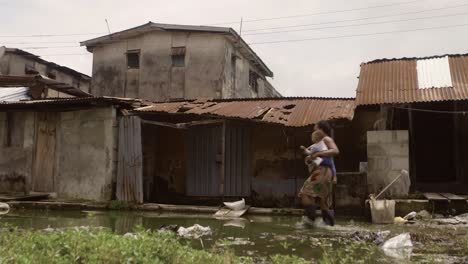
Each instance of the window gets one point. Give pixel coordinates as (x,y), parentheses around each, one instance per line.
(178,56)
(30,69)
(51,75)
(178,60)
(133,59)
(253,80)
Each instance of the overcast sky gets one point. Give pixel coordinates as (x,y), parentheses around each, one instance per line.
(318,67)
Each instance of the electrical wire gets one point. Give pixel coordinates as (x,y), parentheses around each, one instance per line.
(233,22)
(53,35)
(356,25)
(315,14)
(357,35)
(51,47)
(359,19)
(431,111)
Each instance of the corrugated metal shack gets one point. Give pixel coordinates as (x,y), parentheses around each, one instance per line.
(201,150)
(67,146)
(418,107)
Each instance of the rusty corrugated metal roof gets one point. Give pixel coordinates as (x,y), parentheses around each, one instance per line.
(71,102)
(396,81)
(292,112)
(33,80)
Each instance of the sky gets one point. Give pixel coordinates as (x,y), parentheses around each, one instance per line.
(316,53)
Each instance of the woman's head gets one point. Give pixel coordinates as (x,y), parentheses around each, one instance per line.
(324,126)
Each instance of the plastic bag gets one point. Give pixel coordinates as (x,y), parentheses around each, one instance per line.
(399,247)
(195,231)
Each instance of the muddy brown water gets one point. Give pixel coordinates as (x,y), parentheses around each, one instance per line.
(261,236)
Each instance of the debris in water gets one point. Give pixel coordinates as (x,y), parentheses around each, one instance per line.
(400,220)
(377,238)
(410,216)
(169,228)
(423,215)
(399,247)
(4,208)
(132,235)
(450,221)
(196,231)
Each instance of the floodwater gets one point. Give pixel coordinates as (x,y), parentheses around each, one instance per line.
(261,236)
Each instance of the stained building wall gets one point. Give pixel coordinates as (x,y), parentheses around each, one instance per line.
(213,68)
(16,151)
(80,164)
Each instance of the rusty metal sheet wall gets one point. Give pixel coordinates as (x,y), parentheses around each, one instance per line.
(204,161)
(238,161)
(130,160)
(396,81)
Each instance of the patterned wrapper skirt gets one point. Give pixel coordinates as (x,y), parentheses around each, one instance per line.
(319,185)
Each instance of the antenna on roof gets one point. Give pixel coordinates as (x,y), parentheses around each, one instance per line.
(240,29)
(108,28)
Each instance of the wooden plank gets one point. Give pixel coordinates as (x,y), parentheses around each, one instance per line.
(434,197)
(454,197)
(19,197)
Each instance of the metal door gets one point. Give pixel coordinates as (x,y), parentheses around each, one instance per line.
(205,160)
(238,169)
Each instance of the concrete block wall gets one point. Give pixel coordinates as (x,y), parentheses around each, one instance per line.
(388,154)
(16,158)
(85,153)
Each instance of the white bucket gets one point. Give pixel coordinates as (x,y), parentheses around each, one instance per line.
(382,211)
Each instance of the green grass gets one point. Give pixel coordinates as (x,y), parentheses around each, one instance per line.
(80,245)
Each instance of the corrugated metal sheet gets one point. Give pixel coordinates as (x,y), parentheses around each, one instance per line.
(39,82)
(293,112)
(238,161)
(396,81)
(130,160)
(70,102)
(205,161)
(434,73)
(12,94)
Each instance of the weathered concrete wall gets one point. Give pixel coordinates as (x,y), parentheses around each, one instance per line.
(236,77)
(279,172)
(388,154)
(85,147)
(208,70)
(156,79)
(13,64)
(351,193)
(83,166)
(16,154)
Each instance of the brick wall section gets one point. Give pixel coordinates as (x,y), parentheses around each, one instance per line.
(388,154)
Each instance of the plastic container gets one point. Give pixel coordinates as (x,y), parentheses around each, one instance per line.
(382,211)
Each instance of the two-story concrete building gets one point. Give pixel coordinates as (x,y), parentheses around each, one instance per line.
(162,62)
(18,62)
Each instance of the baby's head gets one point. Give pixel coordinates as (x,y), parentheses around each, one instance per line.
(317,136)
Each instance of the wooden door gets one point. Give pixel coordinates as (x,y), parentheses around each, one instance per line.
(44,153)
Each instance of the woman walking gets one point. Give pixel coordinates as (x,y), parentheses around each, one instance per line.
(318,188)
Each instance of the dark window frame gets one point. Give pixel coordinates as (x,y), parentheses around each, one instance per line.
(178,61)
(253,80)
(133,59)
